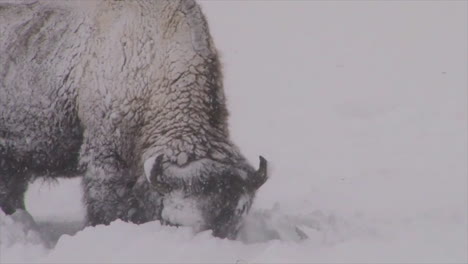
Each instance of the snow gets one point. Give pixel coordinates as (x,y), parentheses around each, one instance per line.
(361,110)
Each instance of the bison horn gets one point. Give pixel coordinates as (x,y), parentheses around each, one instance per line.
(260,176)
(155,175)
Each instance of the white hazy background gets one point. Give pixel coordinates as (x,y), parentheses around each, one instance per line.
(360,108)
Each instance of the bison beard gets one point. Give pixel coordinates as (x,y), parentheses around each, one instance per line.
(129,95)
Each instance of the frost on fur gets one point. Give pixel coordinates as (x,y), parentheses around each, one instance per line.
(129,94)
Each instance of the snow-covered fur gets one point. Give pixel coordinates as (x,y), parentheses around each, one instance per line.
(128,94)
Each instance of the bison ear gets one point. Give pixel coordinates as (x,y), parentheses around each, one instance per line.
(154,171)
(260,176)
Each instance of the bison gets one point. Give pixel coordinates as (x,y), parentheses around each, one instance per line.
(128,95)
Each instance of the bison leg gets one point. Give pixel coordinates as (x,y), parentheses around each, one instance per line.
(13,181)
(13,185)
(108,188)
(107,196)
(12,189)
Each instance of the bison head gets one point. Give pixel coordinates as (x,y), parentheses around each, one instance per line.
(206,194)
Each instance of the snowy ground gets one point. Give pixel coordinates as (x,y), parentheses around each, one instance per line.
(361,109)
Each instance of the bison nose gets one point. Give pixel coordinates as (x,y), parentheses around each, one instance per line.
(229,233)
(226,229)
